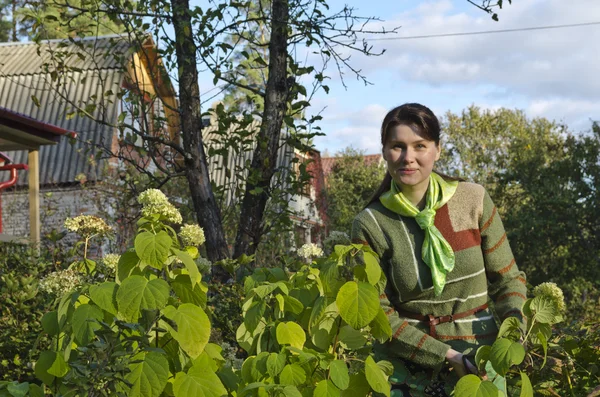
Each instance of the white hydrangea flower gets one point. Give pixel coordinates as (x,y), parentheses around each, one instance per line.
(204,265)
(310,250)
(552,291)
(336,238)
(87,225)
(155,202)
(111,260)
(60,282)
(229,354)
(192,235)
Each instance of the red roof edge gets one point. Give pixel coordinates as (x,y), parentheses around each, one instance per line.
(36,124)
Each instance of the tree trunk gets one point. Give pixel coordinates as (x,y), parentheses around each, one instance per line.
(264,160)
(207,211)
(14,20)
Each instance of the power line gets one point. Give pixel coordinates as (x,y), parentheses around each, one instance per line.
(430,36)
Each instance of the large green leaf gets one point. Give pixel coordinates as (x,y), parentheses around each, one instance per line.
(372,268)
(358,303)
(544,342)
(127,262)
(42,365)
(526,387)
(380,327)
(292,374)
(359,387)
(544,309)
(317,311)
(153,249)
(338,373)
(198,382)
(482,356)
(105,296)
(506,353)
(275,363)
(263,290)
(325,329)
(351,338)
(190,265)
(137,293)
(254,315)
(35,390)
(291,334)
(326,388)
(50,323)
(376,378)
(472,386)
(293,305)
(16,389)
(149,376)
(59,367)
(510,328)
(193,327)
(85,321)
(182,285)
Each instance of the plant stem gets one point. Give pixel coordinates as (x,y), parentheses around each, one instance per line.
(530,328)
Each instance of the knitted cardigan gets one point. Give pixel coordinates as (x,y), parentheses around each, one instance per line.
(484,267)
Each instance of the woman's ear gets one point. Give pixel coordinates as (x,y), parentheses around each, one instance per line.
(438,149)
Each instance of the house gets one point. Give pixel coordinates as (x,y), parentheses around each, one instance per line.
(228,172)
(56,83)
(19,132)
(105,77)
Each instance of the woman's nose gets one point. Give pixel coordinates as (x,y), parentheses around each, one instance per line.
(408,156)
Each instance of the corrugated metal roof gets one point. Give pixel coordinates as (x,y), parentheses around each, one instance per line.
(20,80)
(233,174)
(98,53)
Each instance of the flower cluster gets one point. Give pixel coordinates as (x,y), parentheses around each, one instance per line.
(155,202)
(87,225)
(111,260)
(310,250)
(192,235)
(229,354)
(60,282)
(204,265)
(336,238)
(552,291)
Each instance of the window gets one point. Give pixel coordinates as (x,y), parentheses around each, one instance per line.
(302,176)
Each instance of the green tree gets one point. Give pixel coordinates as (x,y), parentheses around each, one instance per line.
(202,41)
(350,185)
(543,179)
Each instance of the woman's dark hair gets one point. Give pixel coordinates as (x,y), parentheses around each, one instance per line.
(421,120)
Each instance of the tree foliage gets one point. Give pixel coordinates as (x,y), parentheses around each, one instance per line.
(544,181)
(211,38)
(350,185)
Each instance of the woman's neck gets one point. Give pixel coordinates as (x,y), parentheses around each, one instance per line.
(416,194)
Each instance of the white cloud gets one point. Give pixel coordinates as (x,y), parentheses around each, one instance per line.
(560,62)
(575,112)
(359,129)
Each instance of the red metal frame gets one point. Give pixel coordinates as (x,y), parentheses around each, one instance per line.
(13,168)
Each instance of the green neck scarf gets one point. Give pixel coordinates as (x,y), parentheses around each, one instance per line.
(437,252)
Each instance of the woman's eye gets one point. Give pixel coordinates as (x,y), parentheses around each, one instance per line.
(421,146)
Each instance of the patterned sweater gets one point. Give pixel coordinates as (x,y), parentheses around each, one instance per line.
(484,267)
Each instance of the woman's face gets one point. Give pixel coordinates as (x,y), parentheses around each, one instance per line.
(410,157)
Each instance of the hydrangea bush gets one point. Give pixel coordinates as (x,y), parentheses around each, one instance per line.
(145,330)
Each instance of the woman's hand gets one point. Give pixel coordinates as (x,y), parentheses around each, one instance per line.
(458,363)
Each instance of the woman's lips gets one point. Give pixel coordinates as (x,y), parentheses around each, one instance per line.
(407,171)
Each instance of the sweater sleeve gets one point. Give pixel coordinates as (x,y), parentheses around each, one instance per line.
(507,284)
(408,342)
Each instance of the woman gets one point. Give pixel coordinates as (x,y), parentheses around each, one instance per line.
(443,250)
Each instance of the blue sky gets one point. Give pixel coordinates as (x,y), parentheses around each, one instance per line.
(546,73)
